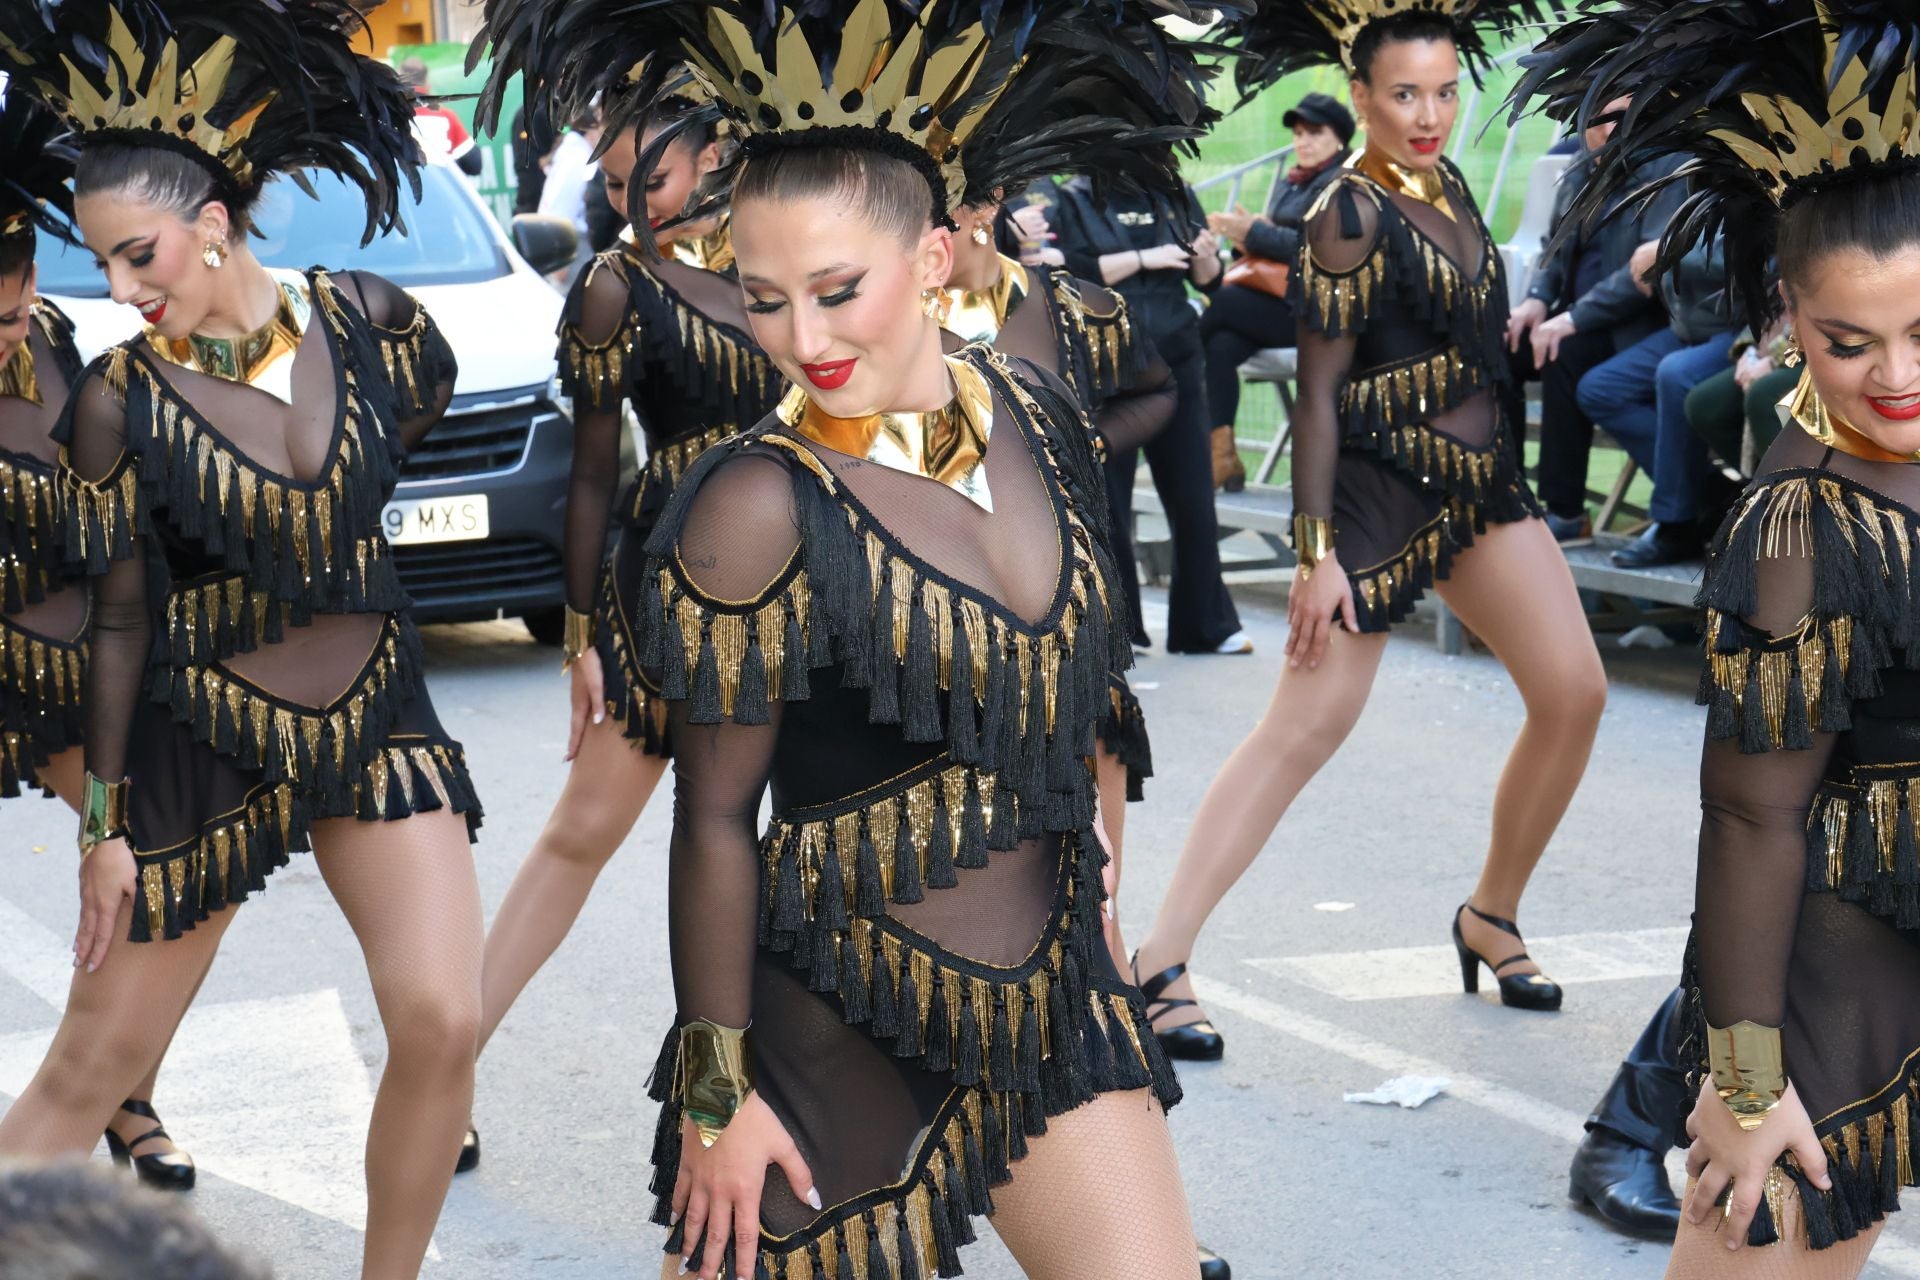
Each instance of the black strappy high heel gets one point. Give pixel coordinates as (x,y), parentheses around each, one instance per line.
(1517,990)
(469,1152)
(166,1170)
(1196,1041)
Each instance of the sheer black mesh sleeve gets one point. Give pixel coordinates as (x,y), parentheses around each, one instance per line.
(597,418)
(1752,863)
(416,354)
(1339,238)
(738,537)
(121,622)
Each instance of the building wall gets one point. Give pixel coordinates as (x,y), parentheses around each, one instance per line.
(394,22)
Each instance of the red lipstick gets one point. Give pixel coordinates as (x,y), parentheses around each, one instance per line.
(1897,408)
(1424,146)
(153,315)
(830,376)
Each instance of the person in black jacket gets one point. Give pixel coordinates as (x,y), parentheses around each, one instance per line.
(1583,307)
(1241,319)
(1128,246)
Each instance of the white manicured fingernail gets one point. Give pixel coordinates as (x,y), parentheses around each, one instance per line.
(599,716)
(683,1267)
(813,1197)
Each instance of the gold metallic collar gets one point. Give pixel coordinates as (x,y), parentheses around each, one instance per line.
(17,378)
(1423,185)
(263,358)
(1805,407)
(947,445)
(710,252)
(979,315)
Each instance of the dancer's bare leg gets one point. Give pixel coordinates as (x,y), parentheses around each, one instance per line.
(1099,1194)
(409,891)
(1701,1253)
(1513,589)
(607,787)
(65,773)
(1112,778)
(117,1023)
(1313,710)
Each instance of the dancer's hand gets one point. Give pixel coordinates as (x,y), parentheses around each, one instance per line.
(589,695)
(1316,600)
(1722,1151)
(107,878)
(718,1190)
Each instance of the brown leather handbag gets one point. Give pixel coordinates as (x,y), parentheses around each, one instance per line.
(1264,275)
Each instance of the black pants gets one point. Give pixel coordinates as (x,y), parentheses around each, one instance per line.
(1566,433)
(1200,613)
(1647,1103)
(1240,322)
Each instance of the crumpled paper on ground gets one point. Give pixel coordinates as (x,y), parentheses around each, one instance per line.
(1403,1091)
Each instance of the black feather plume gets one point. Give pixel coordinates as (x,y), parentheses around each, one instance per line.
(1279,37)
(36,161)
(313,102)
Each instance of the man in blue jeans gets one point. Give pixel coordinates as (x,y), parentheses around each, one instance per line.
(1640,395)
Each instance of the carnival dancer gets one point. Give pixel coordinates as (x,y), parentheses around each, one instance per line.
(254,687)
(664,329)
(890,600)
(43,612)
(1797,123)
(1406,476)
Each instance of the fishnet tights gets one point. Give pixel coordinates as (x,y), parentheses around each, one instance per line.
(1700,1253)
(409,891)
(1099,1197)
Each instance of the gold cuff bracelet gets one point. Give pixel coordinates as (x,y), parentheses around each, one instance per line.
(103,813)
(715,1075)
(1312,541)
(578,638)
(1749,1072)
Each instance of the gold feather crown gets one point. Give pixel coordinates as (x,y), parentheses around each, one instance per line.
(134,93)
(1345,19)
(892,85)
(1794,144)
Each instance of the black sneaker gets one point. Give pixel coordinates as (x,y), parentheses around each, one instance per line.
(1570,529)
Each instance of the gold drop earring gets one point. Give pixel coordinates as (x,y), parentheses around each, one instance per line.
(930,303)
(981,236)
(215,253)
(1792,353)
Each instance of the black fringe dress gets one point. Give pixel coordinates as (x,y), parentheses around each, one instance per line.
(1407,430)
(1807,914)
(43,613)
(915,939)
(1081,332)
(671,338)
(253,667)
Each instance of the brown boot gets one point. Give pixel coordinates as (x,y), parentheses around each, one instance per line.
(1229,472)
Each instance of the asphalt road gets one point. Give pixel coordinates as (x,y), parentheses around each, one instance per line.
(1326,970)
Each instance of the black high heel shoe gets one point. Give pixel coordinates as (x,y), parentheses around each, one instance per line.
(1196,1041)
(469,1152)
(166,1170)
(1517,990)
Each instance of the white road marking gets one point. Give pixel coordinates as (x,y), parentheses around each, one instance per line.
(1893,1256)
(1395,973)
(35,957)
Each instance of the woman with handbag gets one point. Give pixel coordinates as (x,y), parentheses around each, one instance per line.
(1249,310)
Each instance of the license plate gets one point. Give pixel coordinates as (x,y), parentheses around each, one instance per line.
(460,518)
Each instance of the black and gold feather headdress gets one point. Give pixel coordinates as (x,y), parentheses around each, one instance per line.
(36,161)
(1280,37)
(246,88)
(1766,101)
(977,96)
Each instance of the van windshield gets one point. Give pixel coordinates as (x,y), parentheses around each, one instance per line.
(448,240)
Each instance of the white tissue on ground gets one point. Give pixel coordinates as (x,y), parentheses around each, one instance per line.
(1403,1091)
(1333,906)
(1646,637)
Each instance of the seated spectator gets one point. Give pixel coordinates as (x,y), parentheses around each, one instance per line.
(1745,398)
(1244,318)
(1583,307)
(1022,231)
(439,130)
(70,1221)
(1640,398)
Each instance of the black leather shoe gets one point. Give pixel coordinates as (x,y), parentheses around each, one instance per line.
(1196,1041)
(1626,1184)
(1567,530)
(1665,543)
(469,1152)
(1213,1266)
(1517,990)
(166,1170)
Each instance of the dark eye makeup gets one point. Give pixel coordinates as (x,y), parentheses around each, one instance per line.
(838,298)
